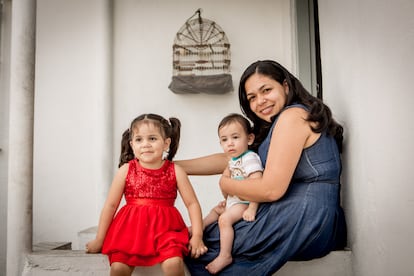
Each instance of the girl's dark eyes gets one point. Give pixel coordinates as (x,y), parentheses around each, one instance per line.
(141,139)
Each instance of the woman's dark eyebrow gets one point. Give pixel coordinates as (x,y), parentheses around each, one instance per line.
(260,89)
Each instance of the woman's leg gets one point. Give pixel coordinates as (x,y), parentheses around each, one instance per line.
(121,269)
(173,267)
(301,225)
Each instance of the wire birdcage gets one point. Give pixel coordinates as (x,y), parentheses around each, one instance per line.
(201,58)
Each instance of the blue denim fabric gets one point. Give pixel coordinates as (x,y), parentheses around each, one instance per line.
(306,223)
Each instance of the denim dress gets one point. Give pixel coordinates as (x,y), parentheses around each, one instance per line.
(306,223)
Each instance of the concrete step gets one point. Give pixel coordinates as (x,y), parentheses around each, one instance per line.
(336,263)
(44,246)
(78,263)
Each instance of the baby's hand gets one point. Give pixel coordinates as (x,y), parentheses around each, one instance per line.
(93,246)
(249,215)
(220,207)
(197,247)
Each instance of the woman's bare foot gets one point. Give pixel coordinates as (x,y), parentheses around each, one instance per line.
(218,264)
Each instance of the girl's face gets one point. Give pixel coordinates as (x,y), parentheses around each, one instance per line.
(234,140)
(148,144)
(266,96)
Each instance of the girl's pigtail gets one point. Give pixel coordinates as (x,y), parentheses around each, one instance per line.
(127,153)
(174,134)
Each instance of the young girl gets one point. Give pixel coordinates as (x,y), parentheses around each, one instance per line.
(149,229)
(236,135)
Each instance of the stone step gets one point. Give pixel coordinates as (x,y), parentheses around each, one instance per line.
(336,263)
(78,263)
(43,246)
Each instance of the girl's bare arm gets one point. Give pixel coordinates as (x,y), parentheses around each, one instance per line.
(196,245)
(108,211)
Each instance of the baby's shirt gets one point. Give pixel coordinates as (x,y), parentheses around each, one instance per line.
(244,165)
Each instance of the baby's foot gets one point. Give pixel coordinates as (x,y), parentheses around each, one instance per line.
(218,264)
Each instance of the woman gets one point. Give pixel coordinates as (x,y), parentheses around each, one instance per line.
(299,143)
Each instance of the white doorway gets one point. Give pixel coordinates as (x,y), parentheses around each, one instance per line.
(309,62)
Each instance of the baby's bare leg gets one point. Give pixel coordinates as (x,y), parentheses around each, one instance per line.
(226,221)
(214,214)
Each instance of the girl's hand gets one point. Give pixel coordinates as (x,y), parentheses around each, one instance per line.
(197,247)
(93,246)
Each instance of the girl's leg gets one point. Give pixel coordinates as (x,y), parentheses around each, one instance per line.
(173,267)
(226,221)
(121,269)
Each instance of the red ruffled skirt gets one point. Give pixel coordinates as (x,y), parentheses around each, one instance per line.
(146,232)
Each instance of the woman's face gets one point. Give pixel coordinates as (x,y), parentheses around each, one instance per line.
(266,96)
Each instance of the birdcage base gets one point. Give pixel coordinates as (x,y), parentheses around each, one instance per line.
(211,84)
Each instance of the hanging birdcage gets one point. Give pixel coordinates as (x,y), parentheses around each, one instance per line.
(201,58)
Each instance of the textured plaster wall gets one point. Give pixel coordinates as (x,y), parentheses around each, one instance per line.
(367,62)
(73,131)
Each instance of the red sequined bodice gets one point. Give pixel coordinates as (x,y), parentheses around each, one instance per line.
(150,183)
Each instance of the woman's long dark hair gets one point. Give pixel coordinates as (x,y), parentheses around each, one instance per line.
(169,129)
(318,111)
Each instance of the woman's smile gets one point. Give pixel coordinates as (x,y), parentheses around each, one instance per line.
(267,110)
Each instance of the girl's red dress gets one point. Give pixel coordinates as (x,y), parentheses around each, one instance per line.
(148,229)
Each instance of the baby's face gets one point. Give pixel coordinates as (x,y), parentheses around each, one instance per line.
(233,139)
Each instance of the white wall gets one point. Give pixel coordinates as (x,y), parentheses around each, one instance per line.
(72,67)
(71,145)
(367,56)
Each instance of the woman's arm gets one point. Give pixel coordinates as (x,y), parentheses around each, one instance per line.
(290,136)
(108,211)
(206,165)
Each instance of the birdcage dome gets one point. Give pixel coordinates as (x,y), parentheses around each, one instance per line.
(201,58)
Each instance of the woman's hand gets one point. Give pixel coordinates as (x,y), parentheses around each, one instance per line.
(222,181)
(226,172)
(225,175)
(93,246)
